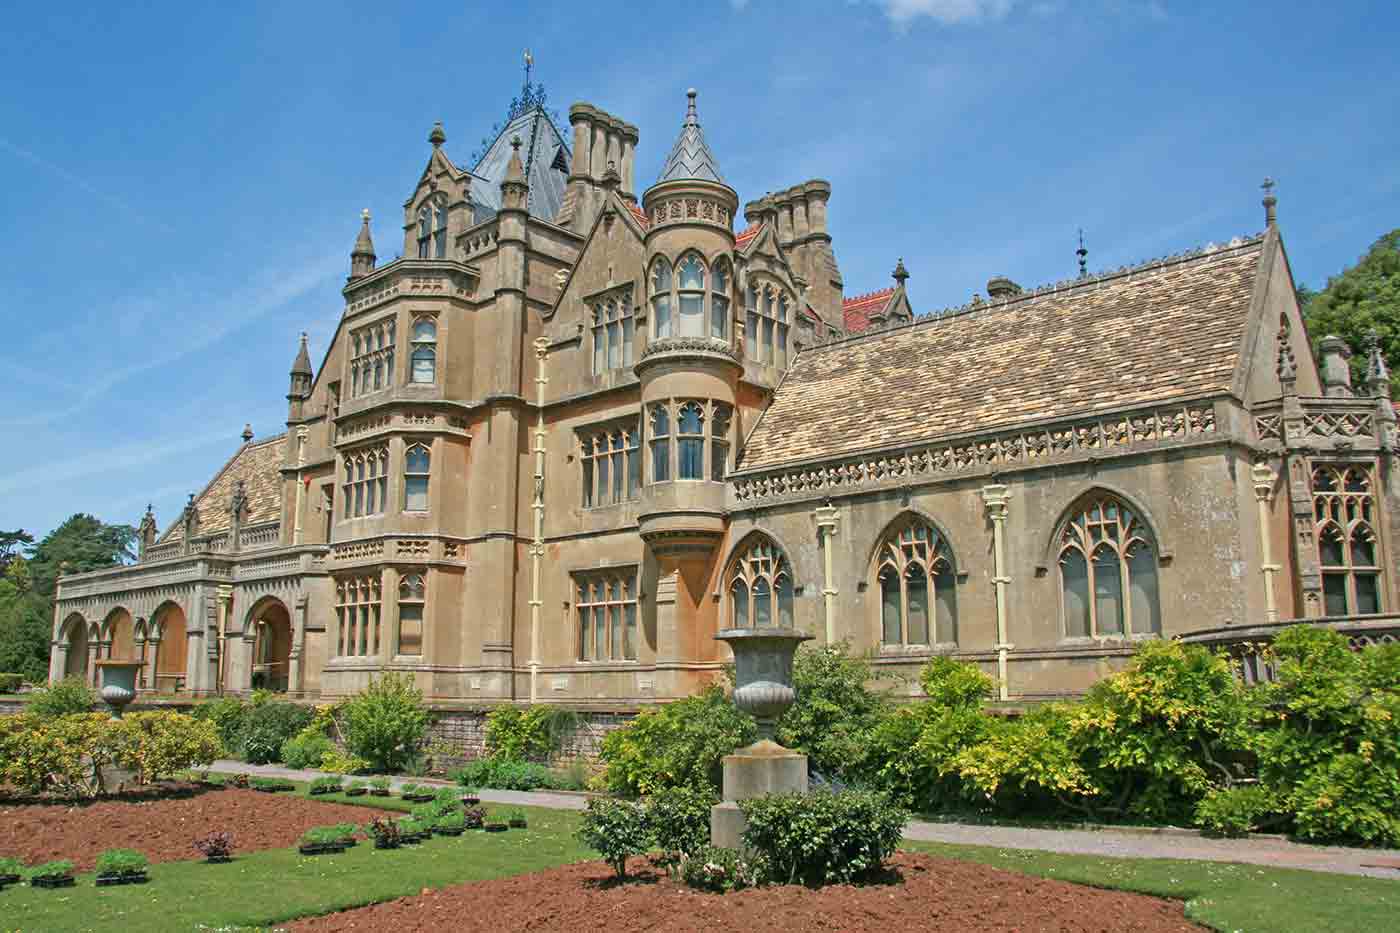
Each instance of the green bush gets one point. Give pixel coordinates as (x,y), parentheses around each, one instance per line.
(121,862)
(1234,811)
(836,711)
(823,837)
(504,774)
(9,683)
(678,819)
(528,733)
(680,743)
(229,716)
(161,744)
(306,750)
(615,829)
(385,723)
(954,684)
(719,870)
(267,727)
(61,698)
(1025,765)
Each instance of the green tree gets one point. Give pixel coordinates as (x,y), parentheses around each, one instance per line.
(24,625)
(80,544)
(1362,299)
(11,545)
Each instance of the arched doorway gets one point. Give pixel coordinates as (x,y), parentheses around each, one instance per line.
(168,628)
(120,635)
(272,644)
(74,633)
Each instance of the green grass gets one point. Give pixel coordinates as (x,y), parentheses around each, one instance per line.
(1220,895)
(276,885)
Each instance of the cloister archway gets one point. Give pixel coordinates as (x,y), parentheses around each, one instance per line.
(270,623)
(168,630)
(75,634)
(119,633)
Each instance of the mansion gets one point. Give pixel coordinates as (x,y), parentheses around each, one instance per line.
(579,428)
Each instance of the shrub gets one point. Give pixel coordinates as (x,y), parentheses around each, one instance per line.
(676,744)
(51,870)
(63,755)
(835,713)
(913,748)
(215,845)
(955,684)
(822,837)
(720,870)
(615,829)
(306,750)
(1025,764)
(61,698)
(337,762)
(229,716)
(504,774)
(1234,811)
(385,722)
(528,734)
(161,744)
(121,862)
(9,683)
(268,726)
(678,820)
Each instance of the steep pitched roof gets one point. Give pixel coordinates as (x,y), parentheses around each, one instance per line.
(690,157)
(258,465)
(541,145)
(855,312)
(641,216)
(1163,331)
(742,239)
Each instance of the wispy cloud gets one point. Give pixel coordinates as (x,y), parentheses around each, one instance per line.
(209,328)
(948,12)
(77,181)
(108,460)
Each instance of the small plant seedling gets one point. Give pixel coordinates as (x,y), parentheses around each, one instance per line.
(121,865)
(216,846)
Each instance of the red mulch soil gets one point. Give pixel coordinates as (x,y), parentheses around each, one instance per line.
(161,826)
(921,893)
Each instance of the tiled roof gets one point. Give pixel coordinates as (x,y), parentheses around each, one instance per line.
(258,465)
(747,234)
(690,157)
(1167,330)
(641,216)
(855,312)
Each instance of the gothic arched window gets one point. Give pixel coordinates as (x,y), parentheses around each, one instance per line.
(760,588)
(768,315)
(412,596)
(425,232)
(660,436)
(661,298)
(440,232)
(424,359)
(690,440)
(1347,547)
(1108,571)
(915,565)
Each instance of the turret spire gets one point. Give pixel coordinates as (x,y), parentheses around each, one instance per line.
(901,274)
(691,158)
(1270,203)
(362,257)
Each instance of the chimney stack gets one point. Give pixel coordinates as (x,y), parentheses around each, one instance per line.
(1000,288)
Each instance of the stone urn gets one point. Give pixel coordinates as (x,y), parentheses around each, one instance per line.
(118,684)
(763,672)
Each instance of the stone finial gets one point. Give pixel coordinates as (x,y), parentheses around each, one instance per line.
(1287,365)
(438,136)
(1336,370)
(247,434)
(1270,202)
(1083,255)
(301,366)
(1377,372)
(362,257)
(900,274)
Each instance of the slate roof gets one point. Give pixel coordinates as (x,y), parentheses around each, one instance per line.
(541,145)
(855,312)
(690,157)
(1163,331)
(258,464)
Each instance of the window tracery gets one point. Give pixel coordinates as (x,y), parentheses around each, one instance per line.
(767,317)
(424,359)
(701,431)
(695,292)
(366,478)
(1108,572)
(1347,545)
(372,357)
(915,563)
(613,328)
(607,615)
(760,588)
(432,231)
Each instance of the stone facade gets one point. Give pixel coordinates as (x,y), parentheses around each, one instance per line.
(576,431)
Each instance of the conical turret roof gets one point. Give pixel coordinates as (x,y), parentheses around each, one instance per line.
(690,158)
(364,246)
(302,364)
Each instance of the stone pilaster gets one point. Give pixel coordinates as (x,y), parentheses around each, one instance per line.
(828,519)
(996,498)
(1263,478)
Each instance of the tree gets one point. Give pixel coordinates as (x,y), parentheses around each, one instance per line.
(11,543)
(24,625)
(1362,299)
(80,544)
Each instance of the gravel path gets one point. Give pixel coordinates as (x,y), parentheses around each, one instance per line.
(1112,843)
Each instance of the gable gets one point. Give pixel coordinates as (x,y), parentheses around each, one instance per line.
(1168,330)
(259,466)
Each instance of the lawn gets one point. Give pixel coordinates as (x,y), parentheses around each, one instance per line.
(1220,895)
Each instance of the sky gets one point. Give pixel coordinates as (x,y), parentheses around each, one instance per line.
(181,183)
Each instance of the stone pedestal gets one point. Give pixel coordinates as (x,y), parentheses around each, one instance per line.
(765,767)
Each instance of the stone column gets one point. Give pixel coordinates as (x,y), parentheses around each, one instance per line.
(298,647)
(94,655)
(537,506)
(58,660)
(1263,488)
(301,486)
(996,496)
(138,643)
(151,669)
(828,524)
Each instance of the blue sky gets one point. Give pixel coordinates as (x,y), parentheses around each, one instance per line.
(180,184)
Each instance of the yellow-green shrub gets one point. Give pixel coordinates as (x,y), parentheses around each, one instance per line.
(159,744)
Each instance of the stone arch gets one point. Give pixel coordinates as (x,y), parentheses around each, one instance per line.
(758,583)
(119,635)
(1051,551)
(1106,554)
(908,513)
(912,567)
(74,633)
(268,626)
(169,631)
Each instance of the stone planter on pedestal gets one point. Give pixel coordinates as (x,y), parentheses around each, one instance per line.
(118,684)
(763,674)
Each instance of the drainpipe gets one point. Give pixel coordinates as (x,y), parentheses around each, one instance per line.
(1263,486)
(996,496)
(537,543)
(828,522)
(301,485)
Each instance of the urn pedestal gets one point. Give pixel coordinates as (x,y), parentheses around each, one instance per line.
(763,677)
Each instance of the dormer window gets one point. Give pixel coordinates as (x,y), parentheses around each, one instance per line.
(612,334)
(767,316)
(432,231)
